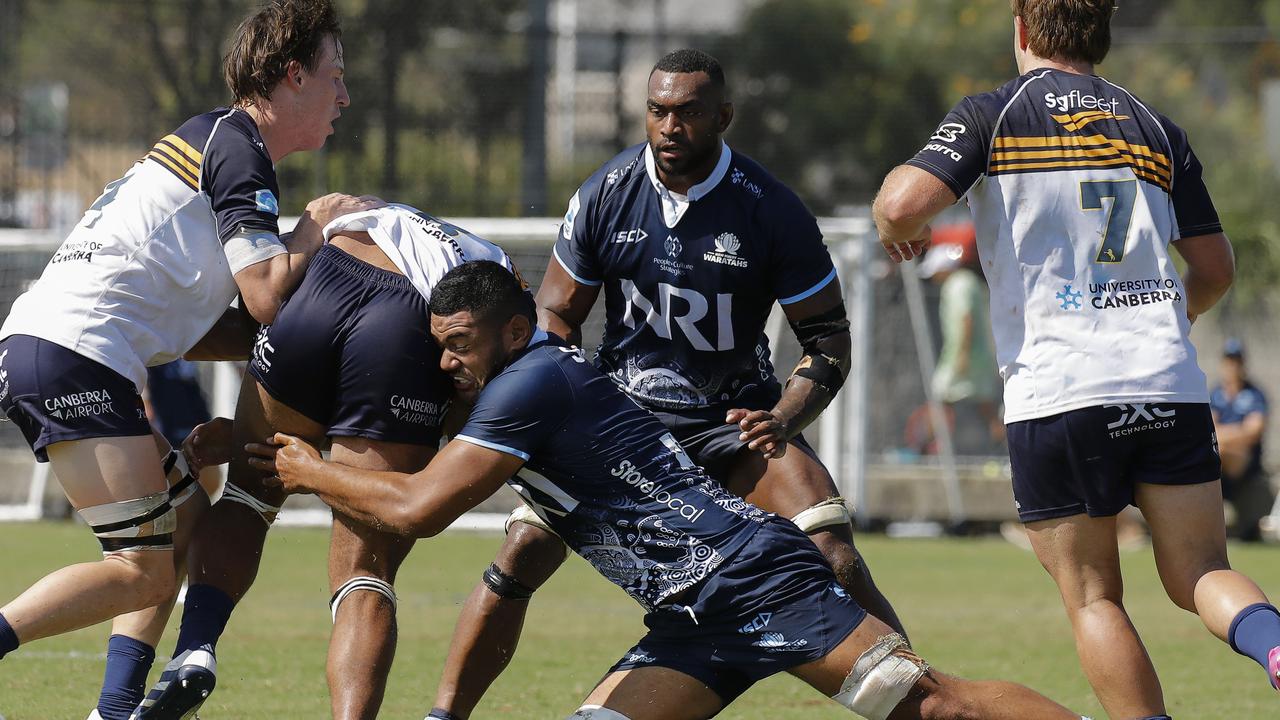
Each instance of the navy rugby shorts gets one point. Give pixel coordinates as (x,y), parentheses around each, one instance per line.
(1090,460)
(709,440)
(53,395)
(776,604)
(352,350)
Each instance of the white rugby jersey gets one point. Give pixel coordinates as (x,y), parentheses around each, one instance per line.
(422,247)
(1077,188)
(149,268)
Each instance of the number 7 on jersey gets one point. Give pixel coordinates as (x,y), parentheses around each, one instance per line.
(1116,232)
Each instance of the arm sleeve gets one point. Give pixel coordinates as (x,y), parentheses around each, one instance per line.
(243,195)
(957,151)
(577,248)
(800,264)
(519,410)
(1191,202)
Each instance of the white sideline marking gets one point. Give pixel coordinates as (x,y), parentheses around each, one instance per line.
(314,517)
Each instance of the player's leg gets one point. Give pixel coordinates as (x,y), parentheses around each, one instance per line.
(875,674)
(1081,556)
(362,571)
(797,486)
(649,693)
(1188,536)
(485,636)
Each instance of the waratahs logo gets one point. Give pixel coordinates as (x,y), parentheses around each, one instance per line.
(726,251)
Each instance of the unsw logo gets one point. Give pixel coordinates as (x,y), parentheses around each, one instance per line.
(726,252)
(1136,418)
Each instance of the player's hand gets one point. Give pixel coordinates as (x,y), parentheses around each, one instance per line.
(208,445)
(902,251)
(289,458)
(327,207)
(760,431)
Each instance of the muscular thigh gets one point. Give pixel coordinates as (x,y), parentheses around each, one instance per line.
(258,417)
(655,693)
(784,485)
(356,549)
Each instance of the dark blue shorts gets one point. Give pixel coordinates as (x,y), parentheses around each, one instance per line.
(709,440)
(1090,460)
(773,606)
(54,395)
(352,350)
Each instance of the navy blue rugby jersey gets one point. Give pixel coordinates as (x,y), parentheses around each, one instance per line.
(688,287)
(607,476)
(1077,189)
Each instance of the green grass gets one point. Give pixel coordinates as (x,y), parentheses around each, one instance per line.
(978,608)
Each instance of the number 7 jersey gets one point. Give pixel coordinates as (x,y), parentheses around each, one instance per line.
(1077,188)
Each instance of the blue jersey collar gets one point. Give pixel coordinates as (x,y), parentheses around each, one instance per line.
(674,204)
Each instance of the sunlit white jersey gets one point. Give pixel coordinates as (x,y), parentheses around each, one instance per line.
(422,247)
(1077,188)
(149,268)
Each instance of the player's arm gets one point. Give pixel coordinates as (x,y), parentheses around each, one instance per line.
(264,285)
(564,303)
(1211,268)
(822,329)
(230,338)
(907,201)
(422,504)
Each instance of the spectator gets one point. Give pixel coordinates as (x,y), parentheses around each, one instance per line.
(1240,419)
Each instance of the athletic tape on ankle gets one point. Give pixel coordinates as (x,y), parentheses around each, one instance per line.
(231,493)
(364,582)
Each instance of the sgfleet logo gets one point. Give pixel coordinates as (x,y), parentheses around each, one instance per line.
(628,473)
(1136,418)
(1077,99)
(80,405)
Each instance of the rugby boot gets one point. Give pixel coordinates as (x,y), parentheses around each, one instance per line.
(183,686)
(1273,667)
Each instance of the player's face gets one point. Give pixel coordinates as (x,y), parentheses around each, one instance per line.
(321,96)
(685,117)
(470,351)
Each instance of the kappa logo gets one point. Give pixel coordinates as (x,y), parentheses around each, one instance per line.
(1136,418)
(760,622)
(673,246)
(726,252)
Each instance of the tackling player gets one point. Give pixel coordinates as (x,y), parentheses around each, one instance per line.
(692,244)
(146,274)
(615,483)
(349,359)
(1077,189)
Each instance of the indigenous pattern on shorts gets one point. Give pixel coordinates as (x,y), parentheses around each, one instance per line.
(607,476)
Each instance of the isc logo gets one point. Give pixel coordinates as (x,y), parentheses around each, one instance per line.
(660,318)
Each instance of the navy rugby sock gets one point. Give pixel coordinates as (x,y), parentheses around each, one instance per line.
(125,680)
(1255,631)
(205,614)
(8,638)
(438,714)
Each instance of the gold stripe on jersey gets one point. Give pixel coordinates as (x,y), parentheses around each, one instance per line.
(1006,158)
(174,168)
(193,169)
(1140,172)
(1075,121)
(184,147)
(1080,141)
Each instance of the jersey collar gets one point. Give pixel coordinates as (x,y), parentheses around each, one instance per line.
(674,204)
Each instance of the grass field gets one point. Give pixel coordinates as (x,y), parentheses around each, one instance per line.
(979,608)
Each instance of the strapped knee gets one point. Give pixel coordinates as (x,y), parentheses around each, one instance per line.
(831,512)
(525,514)
(232,493)
(364,582)
(505,586)
(881,678)
(182,482)
(146,523)
(596,712)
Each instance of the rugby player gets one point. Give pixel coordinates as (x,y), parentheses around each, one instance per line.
(692,243)
(1077,189)
(615,483)
(149,271)
(349,359)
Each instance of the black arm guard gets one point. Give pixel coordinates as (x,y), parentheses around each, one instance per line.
(824,370)
(505,586)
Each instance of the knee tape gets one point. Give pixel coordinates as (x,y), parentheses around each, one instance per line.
(504,585)
(596,712)
(525,514)
(231,493)
(143,524)
(372,584)
(828,513)
(182,482)
(881,678)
